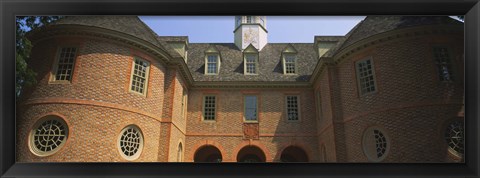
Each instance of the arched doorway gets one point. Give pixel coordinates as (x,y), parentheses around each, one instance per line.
(293,154)
(208,154)
(251,154)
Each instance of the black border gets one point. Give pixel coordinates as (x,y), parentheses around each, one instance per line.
(10,8)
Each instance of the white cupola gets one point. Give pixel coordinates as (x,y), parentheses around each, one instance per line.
(250,30)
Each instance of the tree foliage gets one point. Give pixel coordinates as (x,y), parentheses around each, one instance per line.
(25,76)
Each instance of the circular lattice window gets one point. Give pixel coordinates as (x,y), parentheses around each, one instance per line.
(375,144)
(454,137)
(130,142)
(48,135)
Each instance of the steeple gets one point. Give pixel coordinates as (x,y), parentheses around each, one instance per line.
(250,30)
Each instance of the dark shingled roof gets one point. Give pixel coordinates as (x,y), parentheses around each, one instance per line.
(270,63)
(373,25)
(130,25)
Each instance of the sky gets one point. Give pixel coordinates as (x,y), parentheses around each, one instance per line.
(281,29)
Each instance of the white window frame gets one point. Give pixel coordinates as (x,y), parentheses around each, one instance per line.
(245,63)
(56,64)
(245,109)
(184,103)
(214,111)
(284,58)
(147,72)
(251,18)
(357,72)
(298,108)
(451,71)
(217,63)
(319,105)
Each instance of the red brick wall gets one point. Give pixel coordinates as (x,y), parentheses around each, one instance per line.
(228,127)
(326,134)
(102,73)
(409,103)
(97,104)
(93,133)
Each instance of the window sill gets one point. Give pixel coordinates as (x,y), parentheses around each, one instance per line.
(139,94)
(60,82)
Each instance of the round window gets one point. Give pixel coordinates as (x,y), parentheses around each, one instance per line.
(130,142)
(375,144)
(48,135)
(454,137)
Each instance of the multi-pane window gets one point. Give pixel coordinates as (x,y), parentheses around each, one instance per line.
(249,19)
(444,65)
(454,136)
(319,105)
(209,108)
(184,103)
(139,76)
(180,152)
(365,76)
(250,64)
(375,144)
(212,64)
(130,142)
(292,108)
(66,61)
(251,108)
(289,64)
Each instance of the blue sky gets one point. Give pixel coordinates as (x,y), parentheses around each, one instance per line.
(281,29)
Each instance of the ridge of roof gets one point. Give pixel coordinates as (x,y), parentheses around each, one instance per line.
(373,25)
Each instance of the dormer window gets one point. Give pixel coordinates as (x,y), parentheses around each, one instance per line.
(290,63)
(289,60)
(212,61)
(251,61)
(212,64)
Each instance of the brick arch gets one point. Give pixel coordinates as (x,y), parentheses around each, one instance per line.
(268,156)
(308,150)
(198,145)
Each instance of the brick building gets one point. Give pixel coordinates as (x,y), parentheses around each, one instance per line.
(111,90)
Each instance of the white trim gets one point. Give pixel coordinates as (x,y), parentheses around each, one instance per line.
(245,63)
(140,148)
(217,63)
(147,72)
(215,108)
(298,108)
(245,109)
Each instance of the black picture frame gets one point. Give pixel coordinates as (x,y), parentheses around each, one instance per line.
(9,9)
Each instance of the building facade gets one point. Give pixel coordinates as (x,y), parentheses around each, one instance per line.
(111,90)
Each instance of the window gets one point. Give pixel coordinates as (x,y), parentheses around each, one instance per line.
(443,62)
(209,108)
(180,153)
(250,113)
(365,76)
(48,135)
(130,142)
(65,63)
(454,137)
(249,19)
(184,103)
(375,144)
(139,79)
(251,64)
(212,64)
(292,108)
(319,105)
(289,61)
